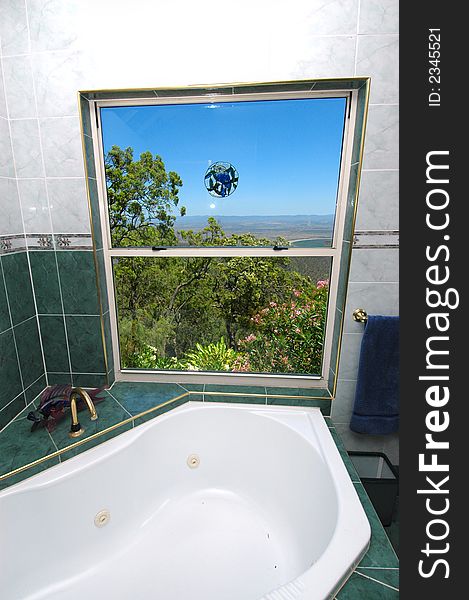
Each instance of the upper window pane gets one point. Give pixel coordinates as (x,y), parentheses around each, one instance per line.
(255,173)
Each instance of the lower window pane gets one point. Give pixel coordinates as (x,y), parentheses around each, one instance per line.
(230,314)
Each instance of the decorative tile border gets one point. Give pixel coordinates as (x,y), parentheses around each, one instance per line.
(376,239)
(12,243)
(59,241)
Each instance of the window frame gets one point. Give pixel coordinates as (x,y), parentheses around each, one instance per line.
(335,251)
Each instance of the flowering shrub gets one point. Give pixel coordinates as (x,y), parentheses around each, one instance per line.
(288,336)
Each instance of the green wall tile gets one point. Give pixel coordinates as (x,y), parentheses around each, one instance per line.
(46,282)
(85,344)
(35,389)
(95,218)
(59,378)
(5,322)
(9,370)
(78,282)
(88,380)
(351,200)
(54,343)
(10,411)
(85,115)
(89,155)
(29,351)
(18,285)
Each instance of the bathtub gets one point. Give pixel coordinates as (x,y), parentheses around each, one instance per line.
(209,501)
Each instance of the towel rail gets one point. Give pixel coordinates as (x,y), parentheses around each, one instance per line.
(360,315)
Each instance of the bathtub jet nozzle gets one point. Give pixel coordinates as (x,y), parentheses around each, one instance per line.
(76,429)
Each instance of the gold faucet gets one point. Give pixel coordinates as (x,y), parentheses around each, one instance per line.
(76,429)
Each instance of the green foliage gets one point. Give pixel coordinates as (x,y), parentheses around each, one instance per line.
(141,197)
(213,357)
(288,337)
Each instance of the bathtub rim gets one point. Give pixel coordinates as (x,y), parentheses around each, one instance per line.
(352,530)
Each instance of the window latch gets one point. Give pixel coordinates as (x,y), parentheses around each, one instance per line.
(159,248)
(280,247)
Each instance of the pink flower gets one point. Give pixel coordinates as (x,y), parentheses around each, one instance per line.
(273,304)
(322,283)
(296,293)
(250,338)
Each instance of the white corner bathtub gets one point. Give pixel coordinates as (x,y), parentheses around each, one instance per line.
(209,501)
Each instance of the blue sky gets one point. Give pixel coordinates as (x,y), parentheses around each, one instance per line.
(286,152)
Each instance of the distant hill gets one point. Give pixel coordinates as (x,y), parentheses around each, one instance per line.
(292,227)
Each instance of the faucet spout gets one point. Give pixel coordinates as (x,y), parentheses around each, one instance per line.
(76,429)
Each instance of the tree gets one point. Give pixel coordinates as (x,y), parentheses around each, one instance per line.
(141,197)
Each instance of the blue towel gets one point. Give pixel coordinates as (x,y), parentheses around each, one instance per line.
(376,408)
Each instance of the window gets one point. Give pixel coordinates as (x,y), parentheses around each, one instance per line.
(222,219)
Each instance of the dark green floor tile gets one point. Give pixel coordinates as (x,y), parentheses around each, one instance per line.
(195,397)
(59,378)
(380,552)
(5,322)
(78,282)
(54,343)
(96,442)
(34,391)
(109,413)
(360,588)
(235,399)
(309,392)
(19,446)
(9,370)
(323,404)
(18,285)
(388,576)
(46,282)
(345,457)
(11,410)
(85,344)
(160,411)
(87,380)
(138,397)
(29,351)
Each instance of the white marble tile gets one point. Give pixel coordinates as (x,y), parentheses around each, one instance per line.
(376,264)
(378,57)
(3,102)
(378,202)
(379,16)
(6,156)
(19,87)
(13,27)
(10,212)
(61,144)
(33,197)
(53,24)
(323,57)
(332,17)
(58,76)
(26,148)
(382,138)
(376,298)
(349,355)
(69,205)
(342,405)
